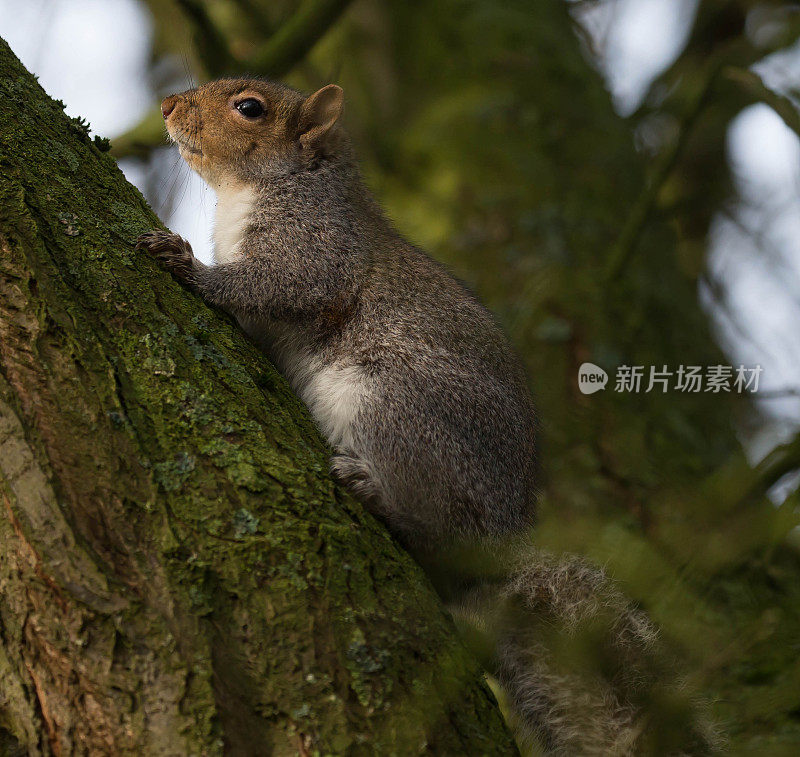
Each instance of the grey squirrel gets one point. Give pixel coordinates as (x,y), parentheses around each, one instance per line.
(416,390)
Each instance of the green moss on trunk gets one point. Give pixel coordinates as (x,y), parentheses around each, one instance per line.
(178,573)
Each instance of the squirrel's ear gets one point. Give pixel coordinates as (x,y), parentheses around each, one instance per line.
(318,115)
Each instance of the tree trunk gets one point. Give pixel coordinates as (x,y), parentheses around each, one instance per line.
(178,573)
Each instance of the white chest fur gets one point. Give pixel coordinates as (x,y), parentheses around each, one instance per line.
(234,205)
(334,394)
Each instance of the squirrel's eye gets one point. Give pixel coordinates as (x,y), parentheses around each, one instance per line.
(250,108)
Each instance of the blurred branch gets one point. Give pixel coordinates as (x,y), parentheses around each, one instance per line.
(296,36)
(782,460)
(139,141)
(665,163)
(753,86)
(211,42)
(718,38)
(787,36)
(778,394)
(257,15)
(290,43)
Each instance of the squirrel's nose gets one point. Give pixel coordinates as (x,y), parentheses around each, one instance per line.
(168,105)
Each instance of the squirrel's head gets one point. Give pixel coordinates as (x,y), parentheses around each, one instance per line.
(247,129)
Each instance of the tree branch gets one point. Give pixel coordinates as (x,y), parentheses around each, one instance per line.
(290,43)
(296,36)
(782,460)
(732,54)
(626,242)
(211,42)
(754,88)
(257,15)
(139,141)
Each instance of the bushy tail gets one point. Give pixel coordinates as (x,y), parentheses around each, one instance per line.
(583,670)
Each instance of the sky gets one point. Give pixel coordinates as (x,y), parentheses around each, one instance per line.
(93,55)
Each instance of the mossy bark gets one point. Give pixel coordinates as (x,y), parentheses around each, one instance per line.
(178,573)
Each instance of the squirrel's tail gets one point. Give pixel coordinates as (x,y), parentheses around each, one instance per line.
(583,670)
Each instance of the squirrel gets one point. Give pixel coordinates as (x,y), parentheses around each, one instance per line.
(417,391)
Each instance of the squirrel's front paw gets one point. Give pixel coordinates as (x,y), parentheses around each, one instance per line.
(172,251)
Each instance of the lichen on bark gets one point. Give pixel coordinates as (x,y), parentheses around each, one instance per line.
(178,573)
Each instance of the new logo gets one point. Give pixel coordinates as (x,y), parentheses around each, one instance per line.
(591,378)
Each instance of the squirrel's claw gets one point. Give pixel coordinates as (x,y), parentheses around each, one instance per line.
(158,240)
(172,251)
